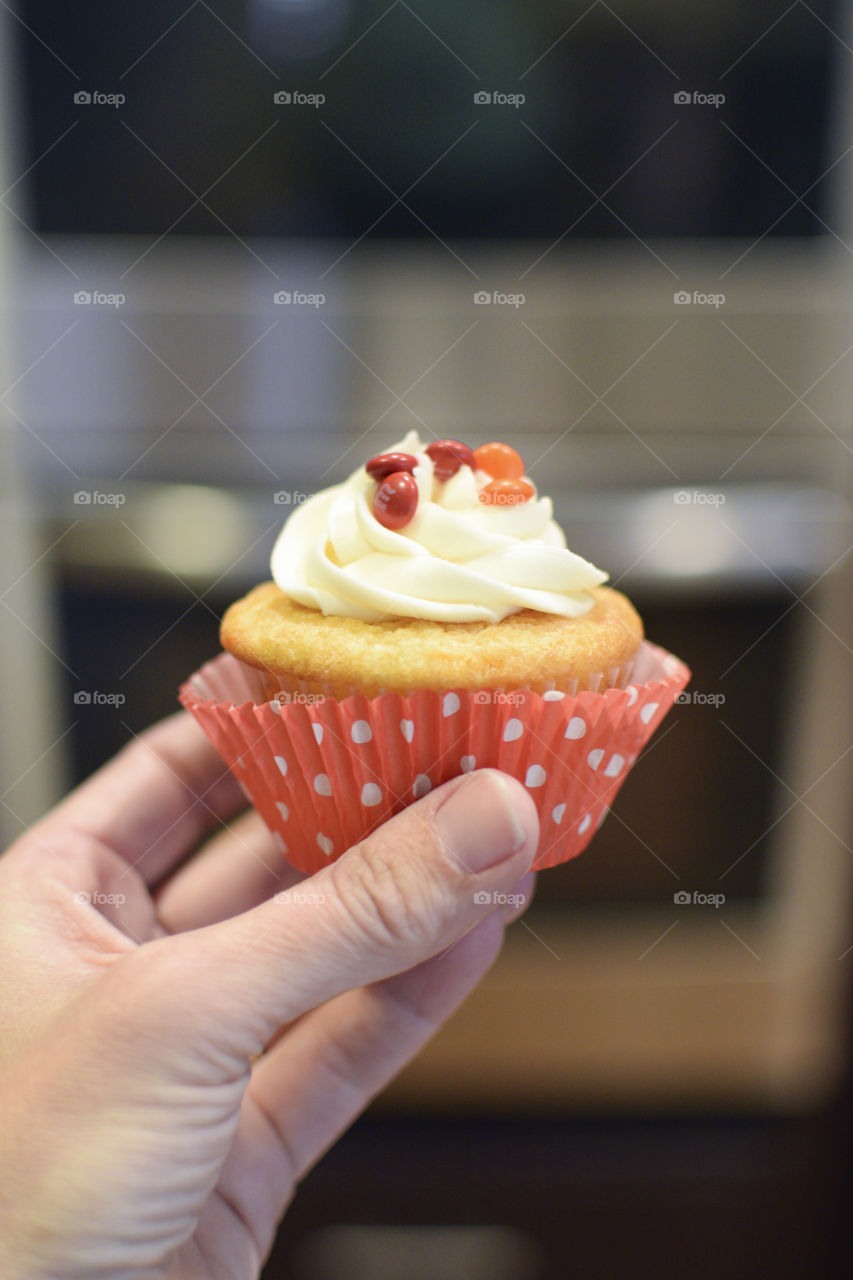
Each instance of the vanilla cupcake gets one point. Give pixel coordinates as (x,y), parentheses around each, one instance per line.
(426,618)
(432,568)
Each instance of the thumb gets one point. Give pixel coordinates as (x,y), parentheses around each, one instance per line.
(409,890)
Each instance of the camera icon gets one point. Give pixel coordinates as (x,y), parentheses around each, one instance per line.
(82,698)
(681,298)
(82,898)
(682,498)
(482,897)
(282,498)
(482,297)
(282,298)
(681,98)
(82,498)
(681,698)
(481,697)
(482,98)
(82,98)
(82,298)
(282,98)
(681,898)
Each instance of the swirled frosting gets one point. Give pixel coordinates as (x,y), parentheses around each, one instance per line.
(457,560)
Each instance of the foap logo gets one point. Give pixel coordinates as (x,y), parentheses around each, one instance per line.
(290,497)
(683,298)
(496,298)
(286,698)
(483,898)
(98,899)
(682,898)
(296,98)
(95,498)
(285,298)
(300,897)
(499,697)
(95,298)
(698,498)
(497,98)
(85,98)
(700,699)
(682,98)
(96,698)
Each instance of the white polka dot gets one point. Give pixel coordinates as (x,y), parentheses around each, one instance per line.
(325,843)
(421,786)
(283,810)
(583,825)
(450,705)
(614,766)
(602,817)
(553,695)
(282,764)
(648,711)
(370,794)
(595,758)
(278,841)
(576,727)
(407,728)
(467,763)
(632,695)
(275,706)
(513,729)
(361,731)
(322,785)
(535,776)
(244,789)
(557,812)
(318,731)
(671,665)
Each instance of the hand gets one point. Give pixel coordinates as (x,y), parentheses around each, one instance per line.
(185,1038)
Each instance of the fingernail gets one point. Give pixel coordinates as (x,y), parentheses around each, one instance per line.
(478,825)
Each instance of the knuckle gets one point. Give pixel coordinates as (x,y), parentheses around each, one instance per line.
(386,900)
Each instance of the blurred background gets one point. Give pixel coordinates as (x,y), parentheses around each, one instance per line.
(246,245)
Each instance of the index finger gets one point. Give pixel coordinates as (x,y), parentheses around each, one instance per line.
(155,800)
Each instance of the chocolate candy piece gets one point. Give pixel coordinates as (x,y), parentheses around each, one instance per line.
(499,461)
(384,464)
(448,456)
(396,500)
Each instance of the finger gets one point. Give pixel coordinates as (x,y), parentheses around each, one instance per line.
(316,1080)
(408,891)
(156,799)
(235,871)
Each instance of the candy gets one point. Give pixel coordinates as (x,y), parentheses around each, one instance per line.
(499,460)
(448,456)
(384,464)
(395,500)
(506,492)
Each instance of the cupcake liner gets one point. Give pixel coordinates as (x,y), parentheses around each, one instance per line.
(324,772)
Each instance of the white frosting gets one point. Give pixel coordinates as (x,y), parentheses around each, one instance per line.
(457,560)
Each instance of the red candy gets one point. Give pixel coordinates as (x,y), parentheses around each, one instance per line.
(507,492)
(396,499)
(384,464)
(499,460)
(448,456)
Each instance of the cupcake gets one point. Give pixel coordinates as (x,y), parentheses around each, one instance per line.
(426,618)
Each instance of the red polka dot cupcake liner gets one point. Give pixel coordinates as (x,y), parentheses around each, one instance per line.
(324,772)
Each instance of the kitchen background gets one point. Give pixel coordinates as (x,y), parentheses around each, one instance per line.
(247,245)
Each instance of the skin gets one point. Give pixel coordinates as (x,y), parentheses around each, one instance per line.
(184,1036)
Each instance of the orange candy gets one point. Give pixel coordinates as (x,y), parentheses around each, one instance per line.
(506,492)
(500,461)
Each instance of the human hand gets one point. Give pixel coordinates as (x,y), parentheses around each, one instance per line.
(143,1135)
